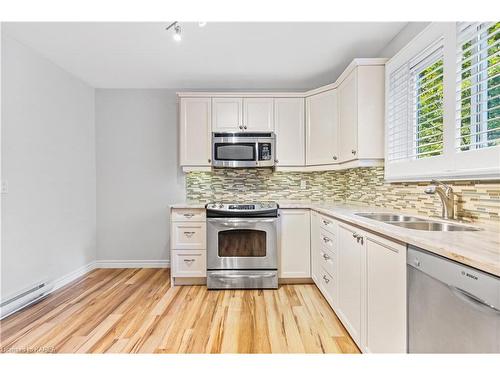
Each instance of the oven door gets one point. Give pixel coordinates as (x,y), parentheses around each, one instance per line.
(242,243)
(234,154)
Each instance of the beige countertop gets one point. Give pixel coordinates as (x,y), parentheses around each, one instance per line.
(479,249)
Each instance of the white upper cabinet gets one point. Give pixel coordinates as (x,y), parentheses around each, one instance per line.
(290,131)
(195,131)
(258,114)
(348,119)
(295,246)
(322,128)
(361,114)
(243,114)
(227,114)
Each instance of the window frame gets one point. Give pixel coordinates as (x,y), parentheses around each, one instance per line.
(480,163)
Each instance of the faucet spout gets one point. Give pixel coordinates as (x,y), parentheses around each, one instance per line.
(445,193)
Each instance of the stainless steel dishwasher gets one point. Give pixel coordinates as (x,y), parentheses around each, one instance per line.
(452,308)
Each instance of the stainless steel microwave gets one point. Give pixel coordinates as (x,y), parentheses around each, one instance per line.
(243,150)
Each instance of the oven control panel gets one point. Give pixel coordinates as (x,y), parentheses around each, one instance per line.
(244,207)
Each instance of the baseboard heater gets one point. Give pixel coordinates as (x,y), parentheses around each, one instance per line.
(25,298)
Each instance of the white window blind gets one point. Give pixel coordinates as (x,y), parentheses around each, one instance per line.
(478,86)
(415,107)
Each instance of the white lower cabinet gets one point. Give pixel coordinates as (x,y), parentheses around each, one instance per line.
(350,254)
(363,277)
(295,247)
(315,243)
(385,296)
(188,233)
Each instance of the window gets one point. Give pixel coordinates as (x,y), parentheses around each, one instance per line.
(415,107)
(443,104)
(478,78)
(427,101)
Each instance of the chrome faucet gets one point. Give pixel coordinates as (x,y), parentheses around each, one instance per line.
(445,192)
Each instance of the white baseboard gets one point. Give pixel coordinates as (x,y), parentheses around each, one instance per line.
(132,264)
(73,275)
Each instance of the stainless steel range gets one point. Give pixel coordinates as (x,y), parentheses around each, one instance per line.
(242,245)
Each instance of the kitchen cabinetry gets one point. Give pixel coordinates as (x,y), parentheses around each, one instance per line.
(322,128)
(195,117)
(187,245)
(295,253)
(242,114)
(350,279)
(227,114)
(361,114)
(385,296)
(290,131)
(258,114)
(315,246)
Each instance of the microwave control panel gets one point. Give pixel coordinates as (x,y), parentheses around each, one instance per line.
(265,151)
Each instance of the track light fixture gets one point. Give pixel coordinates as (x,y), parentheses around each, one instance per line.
(177,31)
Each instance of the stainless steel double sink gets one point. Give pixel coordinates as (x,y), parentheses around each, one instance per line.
(412,222)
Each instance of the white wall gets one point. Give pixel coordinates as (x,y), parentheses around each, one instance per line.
(48,160)
(402,38)
(137,173)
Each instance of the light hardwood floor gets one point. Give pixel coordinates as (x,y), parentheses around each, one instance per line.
(136,310)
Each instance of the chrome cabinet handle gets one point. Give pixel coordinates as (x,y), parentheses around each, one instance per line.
(334,157)
(190,215)
(241,127)
(326,257)
(244,127)
(326,239)
(209,160)
(189,234)
(326,222)
(189,260)
(355,235)
(353,152)
(276,161)
(327,280)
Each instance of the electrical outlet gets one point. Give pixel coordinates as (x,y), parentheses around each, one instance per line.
(4,187)
(303,184)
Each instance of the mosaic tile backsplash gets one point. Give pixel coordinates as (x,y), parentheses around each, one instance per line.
(476,201)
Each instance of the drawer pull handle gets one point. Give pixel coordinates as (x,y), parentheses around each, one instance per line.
(189,260)
(326,222)
(327,280)
(326,239)
(189,215)
(355,235)
(326,257)
(189,234)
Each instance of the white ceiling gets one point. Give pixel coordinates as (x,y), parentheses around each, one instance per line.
(218,56)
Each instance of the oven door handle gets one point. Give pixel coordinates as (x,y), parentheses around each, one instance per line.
(238,222)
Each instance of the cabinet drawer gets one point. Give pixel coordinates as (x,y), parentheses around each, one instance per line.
(187,235)
(327,261)
(327,286)
(188,214)
(327,240)
(187,263)
(327,224)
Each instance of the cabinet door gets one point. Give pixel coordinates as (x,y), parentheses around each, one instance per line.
(295,247)
(350,252)
(348,118)
(315,248)
(195,131)
(258,114)
(290,132)
(322,128)
(227,114)
(386,296)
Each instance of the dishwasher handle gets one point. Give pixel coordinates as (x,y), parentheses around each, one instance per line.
(472,299)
